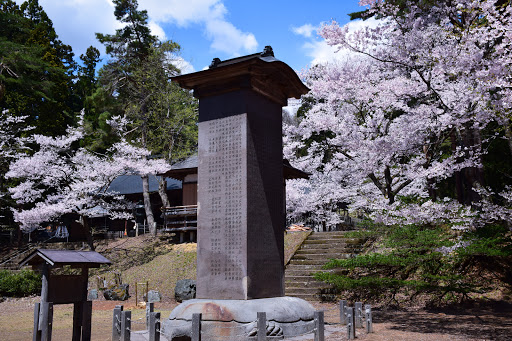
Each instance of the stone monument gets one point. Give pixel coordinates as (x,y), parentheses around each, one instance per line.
(241,204)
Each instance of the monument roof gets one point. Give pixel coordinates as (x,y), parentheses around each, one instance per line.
(189,166)
(132,184)
(90,259)
(266,75)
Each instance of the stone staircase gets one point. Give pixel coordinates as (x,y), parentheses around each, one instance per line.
(316,251)
(14,256)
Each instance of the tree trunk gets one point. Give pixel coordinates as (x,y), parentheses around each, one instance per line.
(458,175)
(147,205)
(508,134)
(162,190)
(88,232)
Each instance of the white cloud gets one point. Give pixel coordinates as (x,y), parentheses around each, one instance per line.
(157,30)
(77,21)
(304,30)
(183,65)
(211,14)
(320,52)
(227,38)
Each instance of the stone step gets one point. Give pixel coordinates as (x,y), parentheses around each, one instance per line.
(338,246)
(320,256)
(318,262)
(308,284)
(324,251)
(332,233)
(293,267)
(351,241)
(313,254)
(305,272)
(317,259)
(299,278)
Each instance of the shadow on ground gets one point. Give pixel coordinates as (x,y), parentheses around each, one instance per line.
(479,320)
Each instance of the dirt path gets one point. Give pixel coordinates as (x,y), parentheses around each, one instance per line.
(493,322)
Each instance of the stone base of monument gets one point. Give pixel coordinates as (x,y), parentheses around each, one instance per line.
(237,319)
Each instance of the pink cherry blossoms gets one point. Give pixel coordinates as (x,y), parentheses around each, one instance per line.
(59,178)
(412,107)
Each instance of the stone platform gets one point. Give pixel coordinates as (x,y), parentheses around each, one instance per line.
(237,319)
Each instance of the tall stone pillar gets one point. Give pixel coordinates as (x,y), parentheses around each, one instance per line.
(241,216)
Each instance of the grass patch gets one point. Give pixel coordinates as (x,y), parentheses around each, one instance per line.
(162,264)
(292,242)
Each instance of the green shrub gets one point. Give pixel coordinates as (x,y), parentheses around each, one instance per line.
(432,260)
(19,284)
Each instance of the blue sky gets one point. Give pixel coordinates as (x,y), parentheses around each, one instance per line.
(212,28)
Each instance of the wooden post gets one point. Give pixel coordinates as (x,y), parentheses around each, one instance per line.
(368,318)
(43,311)
(262,326)
(343,313)
(116,323)
(126,325)
(196,327)
(154,326)
(77,320)
(47,321)
(86,320)
(319,325)
(147,291)
(44,282)
(37,332)
(358,314)
(150,307)
(351,330)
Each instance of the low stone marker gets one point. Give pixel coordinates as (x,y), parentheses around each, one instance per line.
(358,314)
(185,290)
(116,323)
(126,325)
(92,295)
(368,318)
(319,325)
(343,312)
(154,327)
(351,330)
(154,296)
(262,326)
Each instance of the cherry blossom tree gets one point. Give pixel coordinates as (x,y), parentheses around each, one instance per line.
(12,140)
(416,106)
(59,178)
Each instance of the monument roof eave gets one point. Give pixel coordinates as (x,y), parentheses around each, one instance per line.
(90,259)
(263,69)
(189,166)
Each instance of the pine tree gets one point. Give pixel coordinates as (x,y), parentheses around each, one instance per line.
(139,75)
